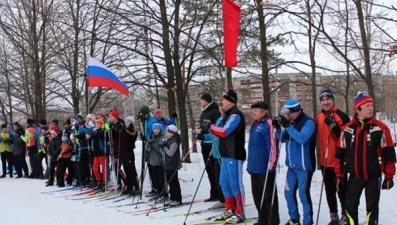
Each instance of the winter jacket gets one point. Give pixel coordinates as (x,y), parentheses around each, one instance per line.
(365,150)
(6,141)
(66,149)
(326,139)
(262,146)
(100,140)
(128,139)
(155,158)
(172,154)
(231,133)
(115,134)
(54,148)
(215,142)
(30,136)
(300,141)
(211,112)
(19,146)
(146,126)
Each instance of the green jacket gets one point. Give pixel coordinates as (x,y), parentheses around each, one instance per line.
(154,157)
(5,144)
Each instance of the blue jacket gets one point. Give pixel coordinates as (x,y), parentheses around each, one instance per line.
(262,146)
(299,139)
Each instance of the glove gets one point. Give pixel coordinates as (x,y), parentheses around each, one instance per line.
(340,183)
(163,144)
(59,157)
(141,136)
(284,121)
(138,117)
(207,123)
(175,115)
(276,124)
(330,121)
(387,183)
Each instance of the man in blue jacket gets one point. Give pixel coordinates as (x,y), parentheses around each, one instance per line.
(263,154)
(299,138)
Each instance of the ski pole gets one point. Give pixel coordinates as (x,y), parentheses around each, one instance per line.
(322,183)
(168,181)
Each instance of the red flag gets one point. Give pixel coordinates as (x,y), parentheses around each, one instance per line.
(231,30)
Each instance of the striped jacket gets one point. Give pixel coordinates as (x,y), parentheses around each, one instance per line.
(365,150)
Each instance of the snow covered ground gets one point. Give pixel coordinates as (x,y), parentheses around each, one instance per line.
(27,202)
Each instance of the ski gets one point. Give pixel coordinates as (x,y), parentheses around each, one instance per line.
(247,220)
(59,190)
(160,207)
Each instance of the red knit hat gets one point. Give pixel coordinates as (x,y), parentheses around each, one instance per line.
(158,112)
(99,121)
(361,99)
(114,113)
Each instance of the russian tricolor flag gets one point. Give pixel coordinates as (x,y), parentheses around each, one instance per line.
(100,76)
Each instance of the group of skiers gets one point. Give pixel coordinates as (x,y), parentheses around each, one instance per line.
(87,150)
(352,155)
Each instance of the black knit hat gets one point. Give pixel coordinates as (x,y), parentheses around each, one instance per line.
(231,96)
(260,105)
(43,122)
(3,126)
(206,97)
(326,93)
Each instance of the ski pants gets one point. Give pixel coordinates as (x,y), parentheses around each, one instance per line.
(231,181)
(354,189)
(299,179)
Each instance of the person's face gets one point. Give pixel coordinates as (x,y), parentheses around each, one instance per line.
(203,103)
(15,127)
(221,109)
(258,114)
(168,134)
(112,119)
(226,104)
(156,131)
(43,131)
(367,110)
(326,103)
(98,125)
(88,119)
(158,115)
(64,138)
(127,123)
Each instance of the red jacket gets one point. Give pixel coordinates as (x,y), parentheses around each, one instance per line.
(326,139)
(365,150)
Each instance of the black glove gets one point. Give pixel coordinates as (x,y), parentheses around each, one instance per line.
(330,121)
(387,183)
(207,123)
(340,183)
(162,144)
(142,136)
(283,121)
(276,124)
(174,115)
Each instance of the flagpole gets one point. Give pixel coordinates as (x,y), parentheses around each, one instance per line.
(87,107)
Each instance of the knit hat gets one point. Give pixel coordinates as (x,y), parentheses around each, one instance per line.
(114,113)
(291,105)
(43,122)
(158,112)
(327,93)
(206,97)
(30,121)
(172,129)
(53,127)
(231,96)
(55,121)
(99,121)
(260,105)
(130,119)
(101,113)
(361,99)
(157,126)
(3,126)
(91,116)
(78,118)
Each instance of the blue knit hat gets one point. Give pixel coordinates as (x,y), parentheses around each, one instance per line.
(157,126)
(291,105)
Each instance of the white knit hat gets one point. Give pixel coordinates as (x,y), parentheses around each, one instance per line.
(172,129)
